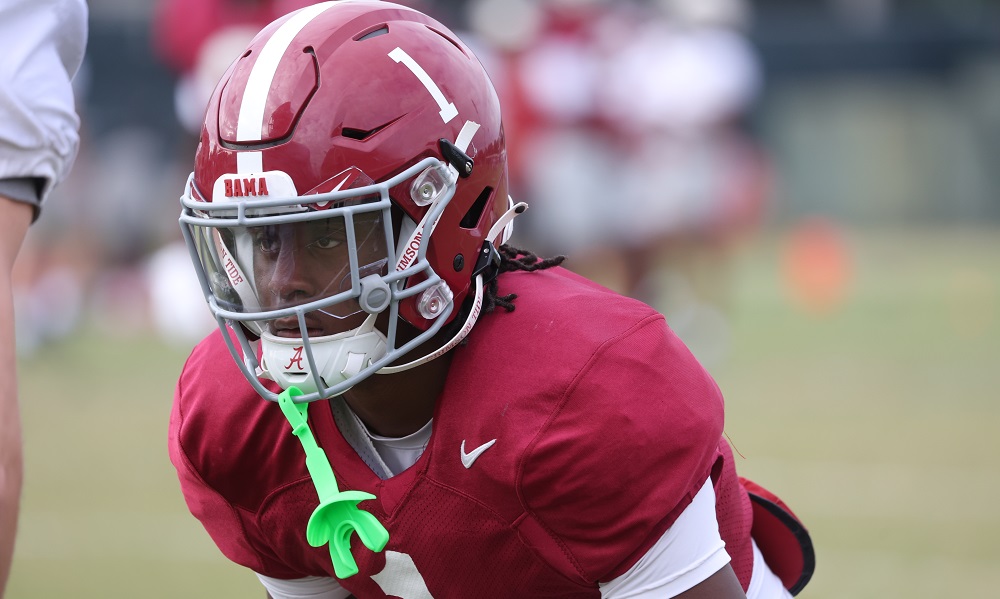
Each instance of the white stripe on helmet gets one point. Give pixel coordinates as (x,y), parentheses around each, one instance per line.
(251,121)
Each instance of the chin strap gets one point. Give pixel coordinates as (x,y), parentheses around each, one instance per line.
(337,515)
(477,304)
(469,322)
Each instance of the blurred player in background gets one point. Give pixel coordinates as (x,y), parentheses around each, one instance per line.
(627,134)
(43,47)
(474,421)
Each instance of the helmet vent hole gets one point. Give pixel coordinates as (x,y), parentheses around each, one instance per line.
(475,213)
(363,134)
(375,32)
(358,134)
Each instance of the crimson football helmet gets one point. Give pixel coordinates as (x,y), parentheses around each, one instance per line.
(351,172)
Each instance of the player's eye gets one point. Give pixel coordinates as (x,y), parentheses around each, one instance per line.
(267,240)
(328,242)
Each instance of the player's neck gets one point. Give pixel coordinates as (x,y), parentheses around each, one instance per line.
(397,405)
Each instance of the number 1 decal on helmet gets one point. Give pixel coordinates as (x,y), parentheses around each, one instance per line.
(448,110)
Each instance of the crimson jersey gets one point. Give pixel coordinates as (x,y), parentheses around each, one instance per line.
(605,427)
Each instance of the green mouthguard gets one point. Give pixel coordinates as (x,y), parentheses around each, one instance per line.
(337,515)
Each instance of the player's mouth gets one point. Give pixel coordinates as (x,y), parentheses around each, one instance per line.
(289,327)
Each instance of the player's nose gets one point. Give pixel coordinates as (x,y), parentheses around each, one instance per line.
(292,279)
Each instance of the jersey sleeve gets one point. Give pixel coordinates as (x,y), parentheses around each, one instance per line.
(632,440)
(44,42)
(197,451)
(688,553)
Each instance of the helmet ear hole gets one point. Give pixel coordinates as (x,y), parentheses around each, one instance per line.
(475,213)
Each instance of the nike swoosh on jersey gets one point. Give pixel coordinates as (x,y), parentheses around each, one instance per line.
(469,458)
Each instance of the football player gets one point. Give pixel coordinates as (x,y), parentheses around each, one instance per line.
(397,403)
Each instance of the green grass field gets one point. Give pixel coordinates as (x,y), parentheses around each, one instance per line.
(875,422)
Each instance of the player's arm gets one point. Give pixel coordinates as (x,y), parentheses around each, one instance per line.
(311,587)
(14,220)
(721,585)
(688,561)
(38,142)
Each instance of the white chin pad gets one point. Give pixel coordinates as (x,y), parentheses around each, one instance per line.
(338,357)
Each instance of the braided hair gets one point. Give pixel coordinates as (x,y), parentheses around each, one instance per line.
(511,259)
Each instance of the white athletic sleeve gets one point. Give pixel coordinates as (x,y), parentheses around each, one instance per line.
(312,587)
(689,552)
(43,47)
